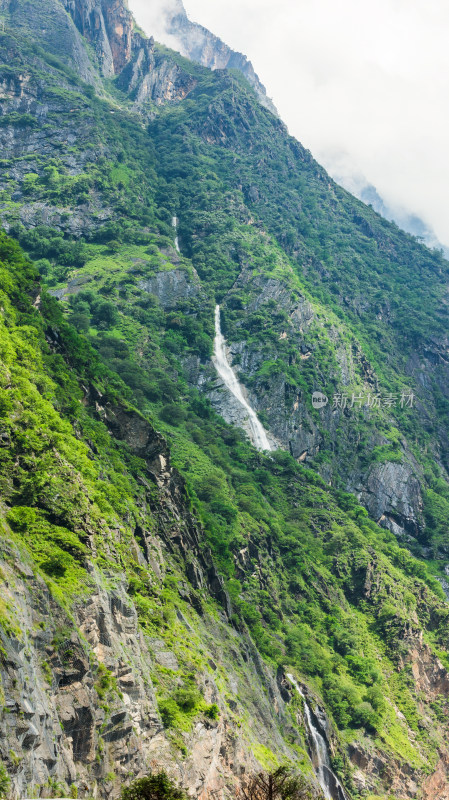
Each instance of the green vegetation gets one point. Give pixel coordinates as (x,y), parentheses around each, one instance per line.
(179,710)
(105,683)
(96,387)
(153,787)
(4,781)
(307,605)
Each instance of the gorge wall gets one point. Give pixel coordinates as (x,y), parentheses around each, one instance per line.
(159,575)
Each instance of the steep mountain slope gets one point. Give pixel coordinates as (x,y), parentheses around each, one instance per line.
(368,315)
(411,223)
(116,658)
(162,577)
(378,337)
(100,627)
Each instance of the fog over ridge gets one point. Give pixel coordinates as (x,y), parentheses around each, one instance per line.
(362,85)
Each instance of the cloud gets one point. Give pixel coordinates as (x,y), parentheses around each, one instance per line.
(364,85)
(152,15)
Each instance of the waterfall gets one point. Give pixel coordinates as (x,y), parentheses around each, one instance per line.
(221,362)
(174,222)
(331,786)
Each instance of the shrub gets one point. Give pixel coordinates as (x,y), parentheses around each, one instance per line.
(365,716)
(169,711)
(80,321)
(225,510)
(343,698)
(212,712)
(4,781)
(375,696)
(105,681)
(187,698)
(153,787)
(208,487)
(105,315)
(57,564)
(172,414)
(114,246)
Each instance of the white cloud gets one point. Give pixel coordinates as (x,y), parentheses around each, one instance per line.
(364,85)
(151,16)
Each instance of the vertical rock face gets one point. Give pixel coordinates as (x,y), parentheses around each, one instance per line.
(151,79)
(107,25)
(119,25)
(122,51)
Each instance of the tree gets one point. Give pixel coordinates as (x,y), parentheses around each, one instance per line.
(114,246)
(173,414)
(283,784)
(153,787)
(81,321)
(105,314)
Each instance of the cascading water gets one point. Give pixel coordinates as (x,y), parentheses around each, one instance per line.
(220,359)
(331,786)
(174,222)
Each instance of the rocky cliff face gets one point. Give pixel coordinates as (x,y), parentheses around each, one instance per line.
(122,51)
(109,27)
(79,686)
(118,50)
(51,26)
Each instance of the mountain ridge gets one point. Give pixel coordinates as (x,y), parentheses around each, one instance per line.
(199,44)
(161,576)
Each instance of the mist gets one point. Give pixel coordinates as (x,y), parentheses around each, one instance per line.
(152,15)
(364,86)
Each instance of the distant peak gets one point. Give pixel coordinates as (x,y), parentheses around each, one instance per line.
(198,44)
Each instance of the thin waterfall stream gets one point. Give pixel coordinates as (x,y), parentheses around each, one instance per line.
(327,779)
(174,222)
(221,362)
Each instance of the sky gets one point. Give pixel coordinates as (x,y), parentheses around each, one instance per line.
(364,85)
